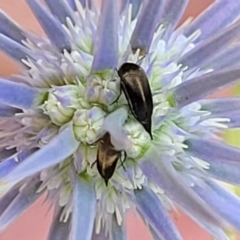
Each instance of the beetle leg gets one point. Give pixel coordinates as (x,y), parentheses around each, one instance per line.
(93,163)
(122,161)
(119,93)
(117,97)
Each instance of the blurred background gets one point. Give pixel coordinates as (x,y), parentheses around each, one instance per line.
(34,224)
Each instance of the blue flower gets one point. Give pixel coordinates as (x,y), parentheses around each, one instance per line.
(55,116)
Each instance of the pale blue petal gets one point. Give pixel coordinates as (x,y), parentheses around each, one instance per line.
(19,95)
(50,25)
(61,10)
(223,107)
(200,87)
(220,105)
(14,50)
(172,13)
(230,57)
(222,201)
(163,174)
(58,149)
(84,209)
(148,19)
(208,49)
(84,2)
(7,198)
(118,231)
(225,172)
(10,29)
(211,151)
(154,235)
(136,4)
(8,111)
(5,153)
(9,164)
(59,230)
(106,44)
(232,116)
(88,3)
(152,210)
(215,18)
(26,197)
(72,5)
(124,5)
(100,236)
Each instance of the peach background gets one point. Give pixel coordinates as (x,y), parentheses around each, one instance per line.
(34,223)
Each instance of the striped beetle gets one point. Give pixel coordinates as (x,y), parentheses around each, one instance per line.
(107,157)
(135,86)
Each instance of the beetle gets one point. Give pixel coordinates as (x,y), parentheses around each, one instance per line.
(135,85)
(107,158)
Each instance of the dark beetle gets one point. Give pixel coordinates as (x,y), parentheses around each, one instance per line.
(107,157)
(135,86)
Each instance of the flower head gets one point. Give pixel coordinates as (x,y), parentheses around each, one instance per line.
(67,128)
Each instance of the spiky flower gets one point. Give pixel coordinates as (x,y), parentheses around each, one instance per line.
(54,116)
